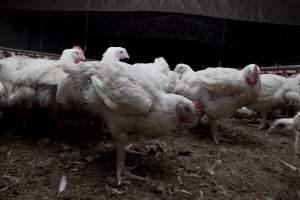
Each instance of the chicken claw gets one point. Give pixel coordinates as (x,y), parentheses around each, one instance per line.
(128,150)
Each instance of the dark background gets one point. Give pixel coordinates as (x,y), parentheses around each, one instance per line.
(199,41)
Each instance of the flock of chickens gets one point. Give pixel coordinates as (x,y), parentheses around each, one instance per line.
(144,98)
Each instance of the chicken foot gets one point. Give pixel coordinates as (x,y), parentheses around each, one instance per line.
(128,150)
(214,131)
(120,141)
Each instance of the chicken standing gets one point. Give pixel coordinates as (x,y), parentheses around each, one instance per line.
(275,91)
(221,91)
(129,101)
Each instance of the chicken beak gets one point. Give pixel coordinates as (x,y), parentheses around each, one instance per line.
(126,55)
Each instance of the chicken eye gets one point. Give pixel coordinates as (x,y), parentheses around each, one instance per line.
(121,52)
(187,109)
(281,125)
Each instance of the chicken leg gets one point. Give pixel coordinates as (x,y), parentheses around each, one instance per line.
(296,142)
(214,131)
(120,141)
(263,121)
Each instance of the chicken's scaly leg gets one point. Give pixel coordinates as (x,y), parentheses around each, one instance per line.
(296,142)
(214,131)
(263,121)
(120,141)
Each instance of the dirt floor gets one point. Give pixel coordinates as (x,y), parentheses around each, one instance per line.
(184,165)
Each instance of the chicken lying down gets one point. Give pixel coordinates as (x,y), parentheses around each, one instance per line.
(161,70)
(34,81)
(185,75)
(275,91)
(287,126)
(221,91)
(129,101)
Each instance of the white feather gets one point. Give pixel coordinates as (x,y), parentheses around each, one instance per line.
(160,73)
(275,91)
(62,184)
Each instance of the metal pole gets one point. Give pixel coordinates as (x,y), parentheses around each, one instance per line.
(42,27)
(222,43)
(86,26)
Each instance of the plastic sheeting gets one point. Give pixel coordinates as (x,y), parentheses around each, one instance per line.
(198,40)
(269,11)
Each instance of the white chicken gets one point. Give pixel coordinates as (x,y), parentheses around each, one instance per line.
(185,74)
(129,101)
(114,54)
(221,91)
(161,71)
(296,126)
(287,126)
(283,125)
(275,91)
(69,95)
(32,79)
(295,83)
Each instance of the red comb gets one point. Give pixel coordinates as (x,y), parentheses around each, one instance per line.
(78,47)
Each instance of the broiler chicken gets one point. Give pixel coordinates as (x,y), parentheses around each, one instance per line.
(69,95)
(295,83)
(32,79)
(185,74)
(129,101)
(296,126)
(221,91)
(275,91)
(114,54)
(286,126)
(161,70)
(282,126)
(32,83)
